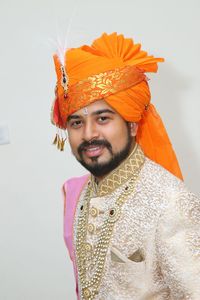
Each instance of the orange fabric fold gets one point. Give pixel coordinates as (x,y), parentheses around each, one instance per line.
(155,142)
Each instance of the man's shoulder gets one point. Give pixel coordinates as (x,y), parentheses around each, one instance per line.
(158,178)
(78,178)
(172,192)
(71,189)
(76,182)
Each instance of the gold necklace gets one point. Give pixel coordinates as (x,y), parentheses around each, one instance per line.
(90,287)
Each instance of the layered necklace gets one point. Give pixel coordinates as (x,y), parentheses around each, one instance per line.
(90,285)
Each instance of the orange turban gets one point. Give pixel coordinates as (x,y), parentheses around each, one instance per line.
(113,68)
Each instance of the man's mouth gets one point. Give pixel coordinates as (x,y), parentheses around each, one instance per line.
(93,151)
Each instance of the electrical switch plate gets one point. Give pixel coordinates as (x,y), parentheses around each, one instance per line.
(4,135)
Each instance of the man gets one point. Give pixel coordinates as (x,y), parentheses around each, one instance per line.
(131,226)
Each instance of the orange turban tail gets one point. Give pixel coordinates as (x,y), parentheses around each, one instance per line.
(155,142)
(151,135)
(113,68)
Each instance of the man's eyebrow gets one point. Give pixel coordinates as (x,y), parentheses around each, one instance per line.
(101,111)
(73,117)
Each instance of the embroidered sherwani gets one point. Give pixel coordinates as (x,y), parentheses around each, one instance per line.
(137,235)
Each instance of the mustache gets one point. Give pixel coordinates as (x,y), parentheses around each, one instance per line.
(85,144)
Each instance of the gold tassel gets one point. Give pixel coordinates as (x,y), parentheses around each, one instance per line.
(55,139)
(59,141)
(62,144)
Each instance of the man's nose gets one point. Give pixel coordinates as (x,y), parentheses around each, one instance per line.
(90,131)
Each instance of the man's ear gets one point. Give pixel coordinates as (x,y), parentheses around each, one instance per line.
(133,128)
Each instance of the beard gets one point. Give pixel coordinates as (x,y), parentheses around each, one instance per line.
(104,168)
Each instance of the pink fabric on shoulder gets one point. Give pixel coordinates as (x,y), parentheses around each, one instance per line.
(72,189)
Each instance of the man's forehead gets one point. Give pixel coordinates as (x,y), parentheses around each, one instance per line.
(91,108)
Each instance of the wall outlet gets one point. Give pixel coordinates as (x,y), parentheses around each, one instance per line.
(4,135)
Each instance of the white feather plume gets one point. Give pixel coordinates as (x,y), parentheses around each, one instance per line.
(61,47)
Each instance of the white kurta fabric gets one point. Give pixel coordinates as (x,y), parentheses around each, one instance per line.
(154,252)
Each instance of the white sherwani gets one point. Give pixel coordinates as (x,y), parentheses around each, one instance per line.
(154,249)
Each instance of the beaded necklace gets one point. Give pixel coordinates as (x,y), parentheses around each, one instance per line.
(90,287)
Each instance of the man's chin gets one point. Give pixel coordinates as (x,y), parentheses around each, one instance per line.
(94,162)
(103,158)
(100,167)
(96,169)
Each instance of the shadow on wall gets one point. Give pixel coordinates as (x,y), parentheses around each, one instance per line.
(4,135)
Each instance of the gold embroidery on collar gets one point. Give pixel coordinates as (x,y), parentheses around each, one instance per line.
(120,175)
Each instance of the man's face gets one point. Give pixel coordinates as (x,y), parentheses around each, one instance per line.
(99,137)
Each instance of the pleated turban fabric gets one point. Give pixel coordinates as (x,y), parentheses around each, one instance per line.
(114,68)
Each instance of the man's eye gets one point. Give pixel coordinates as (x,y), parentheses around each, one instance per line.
(76,124)
(103,119)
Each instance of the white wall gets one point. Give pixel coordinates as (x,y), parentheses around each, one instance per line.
(34,263)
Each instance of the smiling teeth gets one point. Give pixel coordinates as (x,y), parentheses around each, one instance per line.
(93,149)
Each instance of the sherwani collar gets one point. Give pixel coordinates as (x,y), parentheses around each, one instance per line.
(119,175)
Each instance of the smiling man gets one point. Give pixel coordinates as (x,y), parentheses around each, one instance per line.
(130,225)
(94,134)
